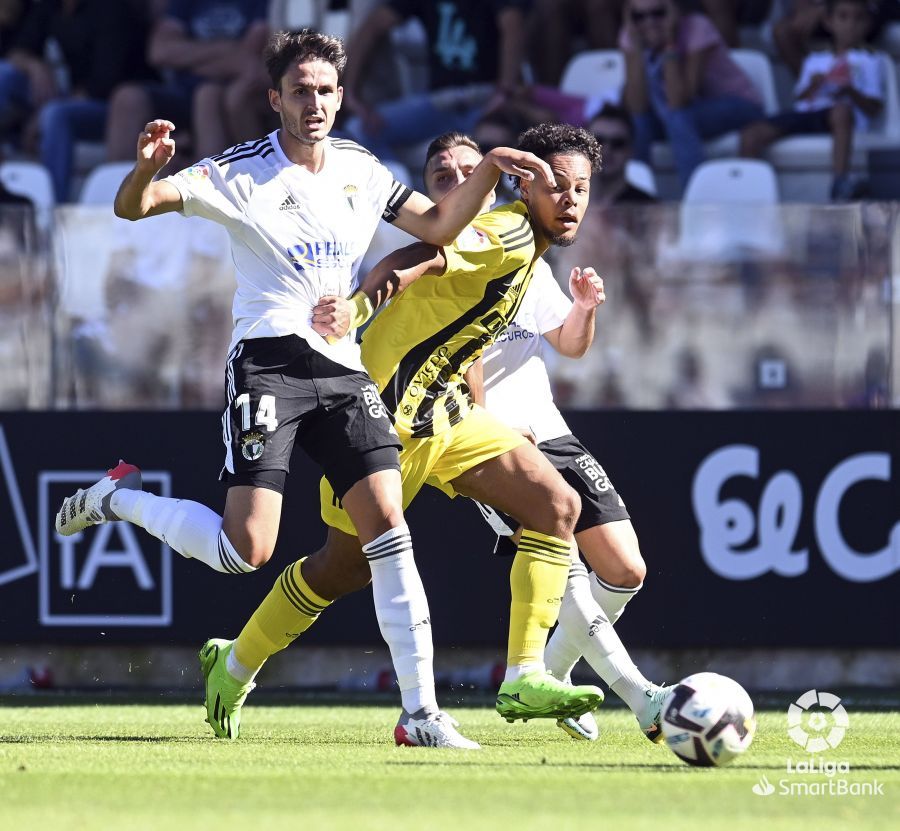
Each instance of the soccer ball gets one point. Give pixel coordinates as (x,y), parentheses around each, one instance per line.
(707,720)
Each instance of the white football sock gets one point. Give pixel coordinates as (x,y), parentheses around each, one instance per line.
(402,611)
(585,625)
(514,671)
(237,670)
(612,599)
(191,529)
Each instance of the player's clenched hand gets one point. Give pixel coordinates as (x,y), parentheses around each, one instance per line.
(331,317)
(521,163)
(586,288)
(154,148)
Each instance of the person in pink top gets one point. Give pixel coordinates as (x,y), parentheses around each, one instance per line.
(681,83)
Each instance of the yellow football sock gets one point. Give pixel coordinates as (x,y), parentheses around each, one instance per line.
(537,581)
(288,611)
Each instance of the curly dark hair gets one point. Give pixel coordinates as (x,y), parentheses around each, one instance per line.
(550,139)
(287,48)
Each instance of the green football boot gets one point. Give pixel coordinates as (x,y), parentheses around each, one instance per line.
(224,694)
(540,695)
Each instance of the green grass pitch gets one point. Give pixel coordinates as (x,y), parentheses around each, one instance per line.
(153,766)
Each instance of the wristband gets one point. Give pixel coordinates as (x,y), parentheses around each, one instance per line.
(362,309)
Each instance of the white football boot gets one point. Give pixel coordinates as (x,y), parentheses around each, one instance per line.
(583,728)
(91,506)
(434,730)
(651,722)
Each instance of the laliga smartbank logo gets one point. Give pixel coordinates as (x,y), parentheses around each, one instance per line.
(817,722)
(807,727)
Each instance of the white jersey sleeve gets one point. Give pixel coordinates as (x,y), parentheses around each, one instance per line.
(516,385)
(206,193)
(551,306)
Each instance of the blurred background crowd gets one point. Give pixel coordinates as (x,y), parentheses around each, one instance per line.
(743,219)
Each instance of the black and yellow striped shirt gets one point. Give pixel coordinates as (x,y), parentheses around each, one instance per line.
(419,347)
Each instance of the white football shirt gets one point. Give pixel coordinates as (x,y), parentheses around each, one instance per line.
(295,235)
(516,385)
(864,68)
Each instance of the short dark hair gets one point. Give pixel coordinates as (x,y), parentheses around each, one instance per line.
(550,139)
(447,141)
(831,4)
(287,48)
(615,112)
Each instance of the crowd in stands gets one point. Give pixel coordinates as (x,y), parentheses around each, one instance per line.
(93,71)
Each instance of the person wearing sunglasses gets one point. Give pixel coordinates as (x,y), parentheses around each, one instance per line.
(612,128)
(681,83)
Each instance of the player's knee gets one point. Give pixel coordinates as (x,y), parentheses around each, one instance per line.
(565,508)
(254,549)
(629,573)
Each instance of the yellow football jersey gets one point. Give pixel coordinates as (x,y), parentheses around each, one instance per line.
(421,344)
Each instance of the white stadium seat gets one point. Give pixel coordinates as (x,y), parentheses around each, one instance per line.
(641,175)
(102,183)
(730,210)
(598,72)
(32,180)
(727,181)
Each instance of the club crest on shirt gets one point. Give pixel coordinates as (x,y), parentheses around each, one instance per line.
(252,446)
(350,193)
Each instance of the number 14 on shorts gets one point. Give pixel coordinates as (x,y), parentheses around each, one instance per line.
(265,413)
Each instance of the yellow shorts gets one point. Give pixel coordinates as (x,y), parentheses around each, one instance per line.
(436,461)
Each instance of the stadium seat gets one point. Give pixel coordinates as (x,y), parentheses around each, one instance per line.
(730,211)
(641,176)
(597,72)
(733,180)
(293,14)
(759,68)
(103,182)
(32,180)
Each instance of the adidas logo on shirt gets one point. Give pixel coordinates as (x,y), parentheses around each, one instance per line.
(289,204)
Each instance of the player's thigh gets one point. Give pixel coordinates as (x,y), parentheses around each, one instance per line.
(417,460)
(251,520)
(613,553)
(522,483)
(374,504)
(352,438)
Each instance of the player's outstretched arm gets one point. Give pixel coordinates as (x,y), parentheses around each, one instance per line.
(574,337)
(334,316)
(441,223)
(139,195)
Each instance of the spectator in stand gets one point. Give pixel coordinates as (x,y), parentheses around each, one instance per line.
(558,25)
(14,103)
(803,28)
(681,82)
(102,44)
(475,50)
(612,128)
(729,15)
(839,90)
(209,53)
